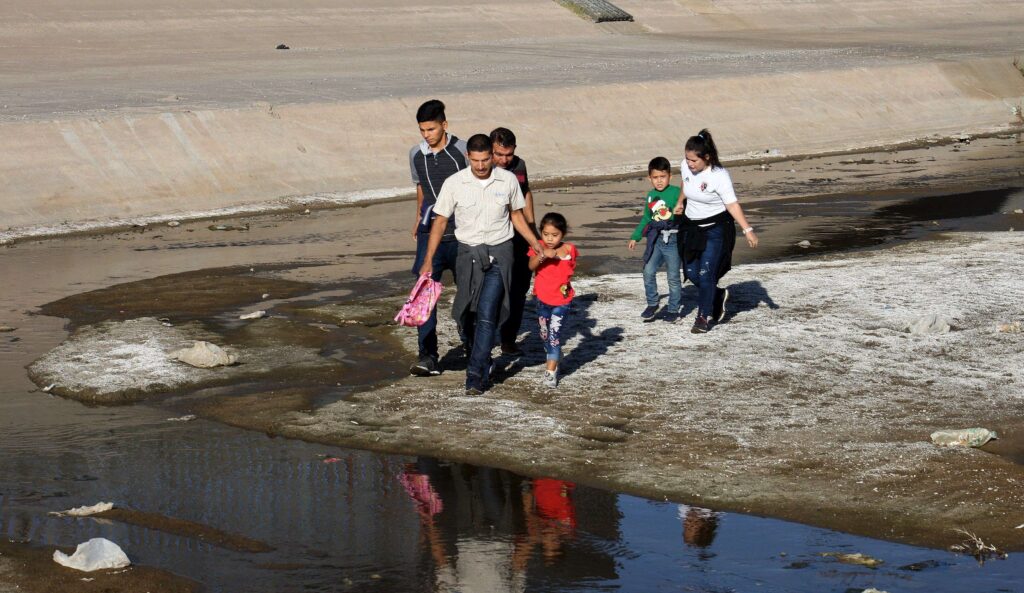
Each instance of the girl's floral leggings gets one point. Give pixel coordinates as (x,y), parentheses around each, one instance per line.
(551,319)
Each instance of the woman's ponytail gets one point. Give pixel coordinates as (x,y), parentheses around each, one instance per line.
(704,146)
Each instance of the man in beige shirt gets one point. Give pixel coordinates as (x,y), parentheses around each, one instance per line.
(488,204)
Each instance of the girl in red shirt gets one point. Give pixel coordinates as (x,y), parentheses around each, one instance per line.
(553,289)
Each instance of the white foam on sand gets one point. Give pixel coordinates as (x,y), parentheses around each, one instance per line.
(812,380)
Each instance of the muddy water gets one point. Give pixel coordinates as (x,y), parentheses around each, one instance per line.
(347,520)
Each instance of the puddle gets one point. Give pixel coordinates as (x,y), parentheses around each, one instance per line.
(342,520)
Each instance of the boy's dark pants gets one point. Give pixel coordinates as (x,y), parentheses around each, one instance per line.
(444,259)
(520,285)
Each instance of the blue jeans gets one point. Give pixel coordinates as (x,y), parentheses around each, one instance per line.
(551,319)
(444,259)
(668,253)
(703,270)
(482,327)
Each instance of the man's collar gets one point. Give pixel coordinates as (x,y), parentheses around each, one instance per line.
(472,178)
(425,148)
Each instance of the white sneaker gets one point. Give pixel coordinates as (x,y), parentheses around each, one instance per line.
(550,379)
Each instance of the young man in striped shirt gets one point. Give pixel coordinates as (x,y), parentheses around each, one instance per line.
(436,158)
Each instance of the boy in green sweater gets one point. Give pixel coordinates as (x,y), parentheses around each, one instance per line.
(660,228)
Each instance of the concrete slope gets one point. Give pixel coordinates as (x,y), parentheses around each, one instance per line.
(116,110)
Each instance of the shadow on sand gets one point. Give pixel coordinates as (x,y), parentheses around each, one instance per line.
(581,324)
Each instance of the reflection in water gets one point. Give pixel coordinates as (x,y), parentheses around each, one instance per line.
(343,520)
(483,529)
(699,525)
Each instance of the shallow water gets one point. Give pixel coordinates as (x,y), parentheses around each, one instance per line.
(345,520)
(369,522)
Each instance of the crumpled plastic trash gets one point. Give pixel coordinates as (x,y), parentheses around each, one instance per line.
(96,554)
(966,437)
(932,323)
(858,559)
(85,511)
(204,355)
(254,315)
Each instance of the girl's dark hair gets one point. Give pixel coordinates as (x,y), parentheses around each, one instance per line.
(704,146)
(556,220)
(659,163)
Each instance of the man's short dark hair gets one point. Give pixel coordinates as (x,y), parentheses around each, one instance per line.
(432,110)
(659,163)
(479,143)
(503,137)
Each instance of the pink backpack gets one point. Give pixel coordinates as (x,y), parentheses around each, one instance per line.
(422,300)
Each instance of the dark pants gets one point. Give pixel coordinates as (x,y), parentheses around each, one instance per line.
(444,259)
(480,327)
(519,286)
(703,269)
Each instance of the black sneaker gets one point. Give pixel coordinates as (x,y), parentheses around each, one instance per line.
(475,386)
(511,349)
(426,366)
(721,296)
(700,326)
(669,315)
(649,313)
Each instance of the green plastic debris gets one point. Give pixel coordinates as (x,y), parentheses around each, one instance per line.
(858,559)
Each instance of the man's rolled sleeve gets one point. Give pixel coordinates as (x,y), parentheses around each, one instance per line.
(445,205)
(516,200)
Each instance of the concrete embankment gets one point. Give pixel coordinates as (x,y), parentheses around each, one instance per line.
(84,163)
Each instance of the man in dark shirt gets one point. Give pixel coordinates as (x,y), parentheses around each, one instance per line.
(504,145)
(431,162)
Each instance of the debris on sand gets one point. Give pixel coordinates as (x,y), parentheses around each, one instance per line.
(49,388)
(254,315)
(85,511)
(805,244)
(173,223)
(967,437)
(1009,328)
(975,546)
(858,559)
(185,418)
(1018,211)
(96,554)
(228,227)
(933,323)
(6,328)
(204,355)
(282,46)
(116,362)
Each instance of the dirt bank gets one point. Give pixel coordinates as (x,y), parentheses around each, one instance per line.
(152,110)
(812,403)
(26,569)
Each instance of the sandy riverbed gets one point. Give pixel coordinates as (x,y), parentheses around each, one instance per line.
(828,402)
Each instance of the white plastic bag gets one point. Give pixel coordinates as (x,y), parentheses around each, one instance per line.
(99,507)
(95,554)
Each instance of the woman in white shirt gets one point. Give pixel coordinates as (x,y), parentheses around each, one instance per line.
(708,227)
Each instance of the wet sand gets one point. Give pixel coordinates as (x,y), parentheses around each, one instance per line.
(32,570)
(337,255)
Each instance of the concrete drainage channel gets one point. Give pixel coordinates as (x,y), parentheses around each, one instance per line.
(598,11)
